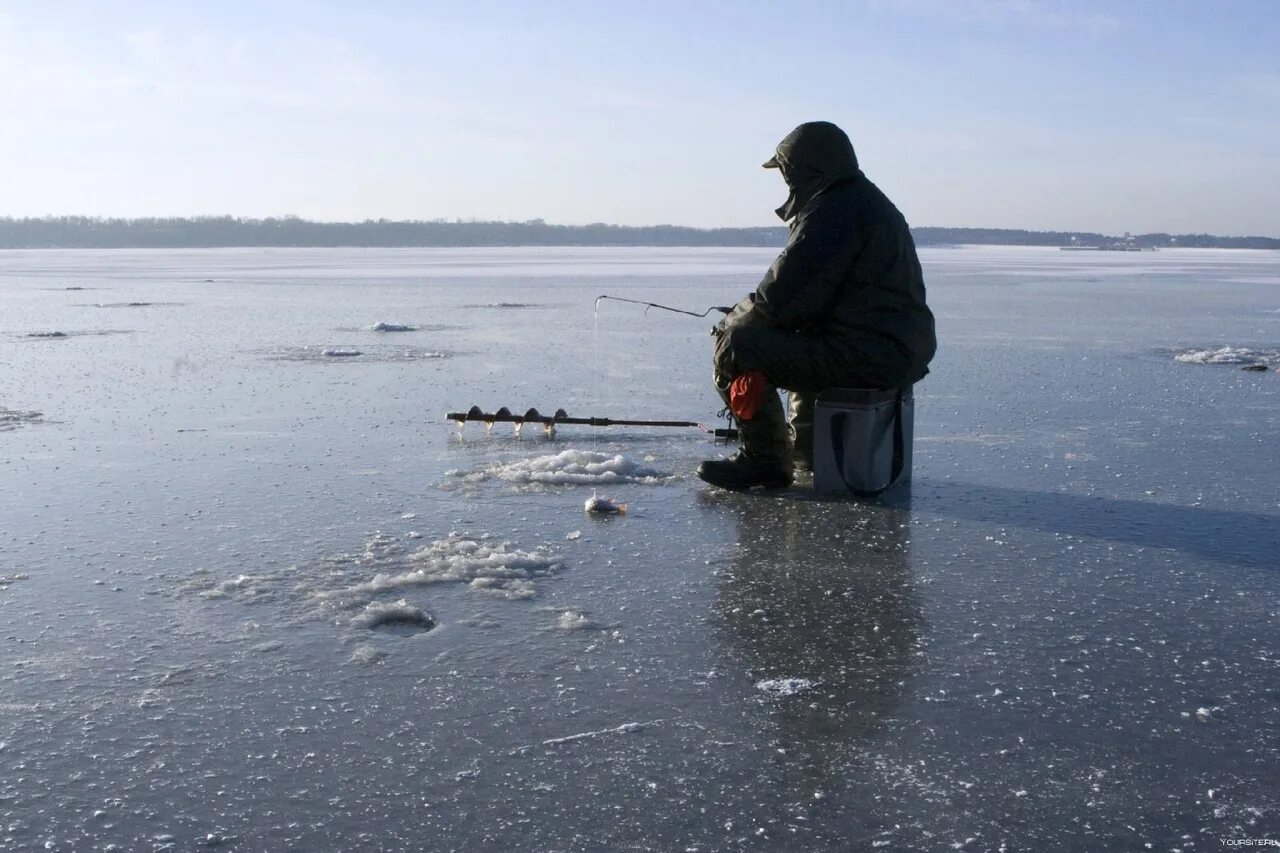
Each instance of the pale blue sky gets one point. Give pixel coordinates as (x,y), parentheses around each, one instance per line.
(1112,116)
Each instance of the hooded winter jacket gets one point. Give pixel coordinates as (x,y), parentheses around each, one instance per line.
(849,275)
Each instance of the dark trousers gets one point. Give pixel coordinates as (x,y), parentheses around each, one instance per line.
(803,365)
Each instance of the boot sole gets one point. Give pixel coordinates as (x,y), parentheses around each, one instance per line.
(768,486)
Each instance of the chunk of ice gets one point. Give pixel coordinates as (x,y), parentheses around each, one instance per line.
(382,326)
(377,614)
(1227,355)
(784,686)
(480,563)
(573,621)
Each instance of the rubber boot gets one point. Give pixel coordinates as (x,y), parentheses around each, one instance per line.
(765,457)
(801,405)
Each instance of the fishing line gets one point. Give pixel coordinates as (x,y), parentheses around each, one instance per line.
(599,368)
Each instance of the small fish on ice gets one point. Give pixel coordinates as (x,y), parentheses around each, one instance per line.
(604,506)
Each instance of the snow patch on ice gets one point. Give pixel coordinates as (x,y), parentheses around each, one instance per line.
(571,620)
(241,586)
(784,686)
(479,563)
(1228,355)
(568,468)
(383,326)
(374,589)
(367,654)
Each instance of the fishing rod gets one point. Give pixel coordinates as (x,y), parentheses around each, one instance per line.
(722,309)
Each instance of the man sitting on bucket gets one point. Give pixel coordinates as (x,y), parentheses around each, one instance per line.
(843,306)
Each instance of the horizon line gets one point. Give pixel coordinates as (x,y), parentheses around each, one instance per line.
(540,222)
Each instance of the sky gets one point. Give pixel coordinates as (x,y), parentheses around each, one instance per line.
(1094,116)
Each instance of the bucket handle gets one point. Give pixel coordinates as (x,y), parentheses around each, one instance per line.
(899,448)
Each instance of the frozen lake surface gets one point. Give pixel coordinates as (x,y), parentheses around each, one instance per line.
(257,594)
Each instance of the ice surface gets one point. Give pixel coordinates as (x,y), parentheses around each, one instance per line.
(569,468)
(384,353)
(1083,560)
(133,304)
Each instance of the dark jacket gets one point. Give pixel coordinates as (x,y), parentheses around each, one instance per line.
(849,274)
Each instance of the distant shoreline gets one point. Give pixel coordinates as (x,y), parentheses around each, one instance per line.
(82,232)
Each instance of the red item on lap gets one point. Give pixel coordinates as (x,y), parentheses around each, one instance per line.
(746,393)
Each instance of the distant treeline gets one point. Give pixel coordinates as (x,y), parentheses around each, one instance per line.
(1019,237)
(85,232)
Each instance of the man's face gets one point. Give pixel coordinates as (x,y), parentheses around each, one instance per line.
(785,172)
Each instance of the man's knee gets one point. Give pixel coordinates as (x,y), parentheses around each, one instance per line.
(743,346)
(735,351)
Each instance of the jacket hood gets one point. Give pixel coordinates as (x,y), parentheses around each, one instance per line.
(811,158)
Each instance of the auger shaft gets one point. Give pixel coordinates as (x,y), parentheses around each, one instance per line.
(505,416)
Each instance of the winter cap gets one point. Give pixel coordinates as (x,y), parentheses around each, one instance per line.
(819,146)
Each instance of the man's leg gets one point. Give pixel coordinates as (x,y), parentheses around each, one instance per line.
(790,361)
(765,436)
(793,362)
(801,405)
(765,456)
